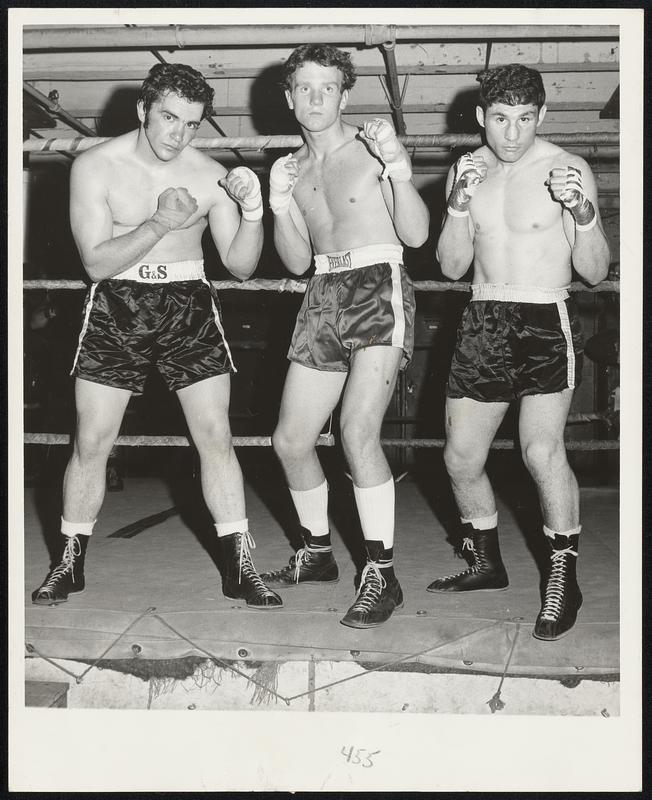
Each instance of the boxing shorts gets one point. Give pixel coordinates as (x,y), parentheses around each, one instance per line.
(357,298)
(165,316)
(516,340)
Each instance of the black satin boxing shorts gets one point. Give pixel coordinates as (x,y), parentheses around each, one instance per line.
(131,326)
(515,341)
(354,301)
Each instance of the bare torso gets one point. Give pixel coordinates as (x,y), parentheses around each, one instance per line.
(519,235)
(132,191)
(340,197)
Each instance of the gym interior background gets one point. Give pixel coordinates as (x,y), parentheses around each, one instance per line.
(83,82)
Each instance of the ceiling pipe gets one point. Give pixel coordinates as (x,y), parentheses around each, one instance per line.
(56,110)
(81,37)
(395,96)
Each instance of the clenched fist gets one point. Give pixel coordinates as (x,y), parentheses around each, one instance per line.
(565,184)
(175,207)
(282,177)
(383,142)
(470,171)
(243,186)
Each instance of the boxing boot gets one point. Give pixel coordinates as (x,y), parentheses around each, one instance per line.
(486,573)
(379,592)
(67,577)
(313,563)
(562,597)
(240,579)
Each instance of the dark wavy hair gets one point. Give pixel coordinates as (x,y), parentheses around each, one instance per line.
(324,54)
(512,84)
(180,79)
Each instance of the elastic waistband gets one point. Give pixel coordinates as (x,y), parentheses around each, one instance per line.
(517,293)
(163,273)
(358,257)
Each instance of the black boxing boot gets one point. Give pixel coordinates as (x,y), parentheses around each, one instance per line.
(379,592)
(487,572)
(562,598)
(240,579)
(68,575)
(313,563)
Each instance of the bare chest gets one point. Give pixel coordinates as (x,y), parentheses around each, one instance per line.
(518,203)
(337,186)
(133,194)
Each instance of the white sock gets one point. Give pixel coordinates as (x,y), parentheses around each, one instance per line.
(312,508)
(76,528)
(376,511)
(227,528)
(551,534)
(482,523)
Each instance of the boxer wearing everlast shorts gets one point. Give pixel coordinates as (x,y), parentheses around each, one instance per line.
(139,204)
(524,213)
(348,194)
(356,299)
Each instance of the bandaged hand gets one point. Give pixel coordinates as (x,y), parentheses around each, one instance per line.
(383,142)
(282,177)
(175,207)
(470,171)
(565,184)
(243,186)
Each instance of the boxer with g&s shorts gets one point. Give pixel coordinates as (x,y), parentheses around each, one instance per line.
(139,205)
(165,316)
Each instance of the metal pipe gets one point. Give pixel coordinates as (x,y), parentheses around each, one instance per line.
(55,108)
(393,87)
(77,144)
(81,37)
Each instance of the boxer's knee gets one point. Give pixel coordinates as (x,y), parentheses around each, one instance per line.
(463,463)
(544,457)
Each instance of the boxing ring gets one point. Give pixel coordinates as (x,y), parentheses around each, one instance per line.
(153,615)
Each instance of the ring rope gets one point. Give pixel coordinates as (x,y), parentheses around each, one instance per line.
(77,144)
(294,285)
(325,440)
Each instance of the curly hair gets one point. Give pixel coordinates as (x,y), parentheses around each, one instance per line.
(512,84)
(179,79)
(324,54)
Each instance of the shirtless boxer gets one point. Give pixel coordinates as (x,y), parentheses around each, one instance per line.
(348,195)
(138,207)
(522,211)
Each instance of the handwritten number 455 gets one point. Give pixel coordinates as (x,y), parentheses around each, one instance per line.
(357,756)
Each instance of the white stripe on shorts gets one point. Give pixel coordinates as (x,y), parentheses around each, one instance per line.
(87,315)
(216,317)
(568,335)
(398,335)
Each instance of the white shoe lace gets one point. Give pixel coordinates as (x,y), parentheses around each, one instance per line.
(556,583)
(299,558)
(371,585)
(467,544)
(246,563)
(70,552)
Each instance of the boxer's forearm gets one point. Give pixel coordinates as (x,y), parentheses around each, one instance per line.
(455,247)
(113,256)
(292,248)
(245,249)
(590,255)
(411,216)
